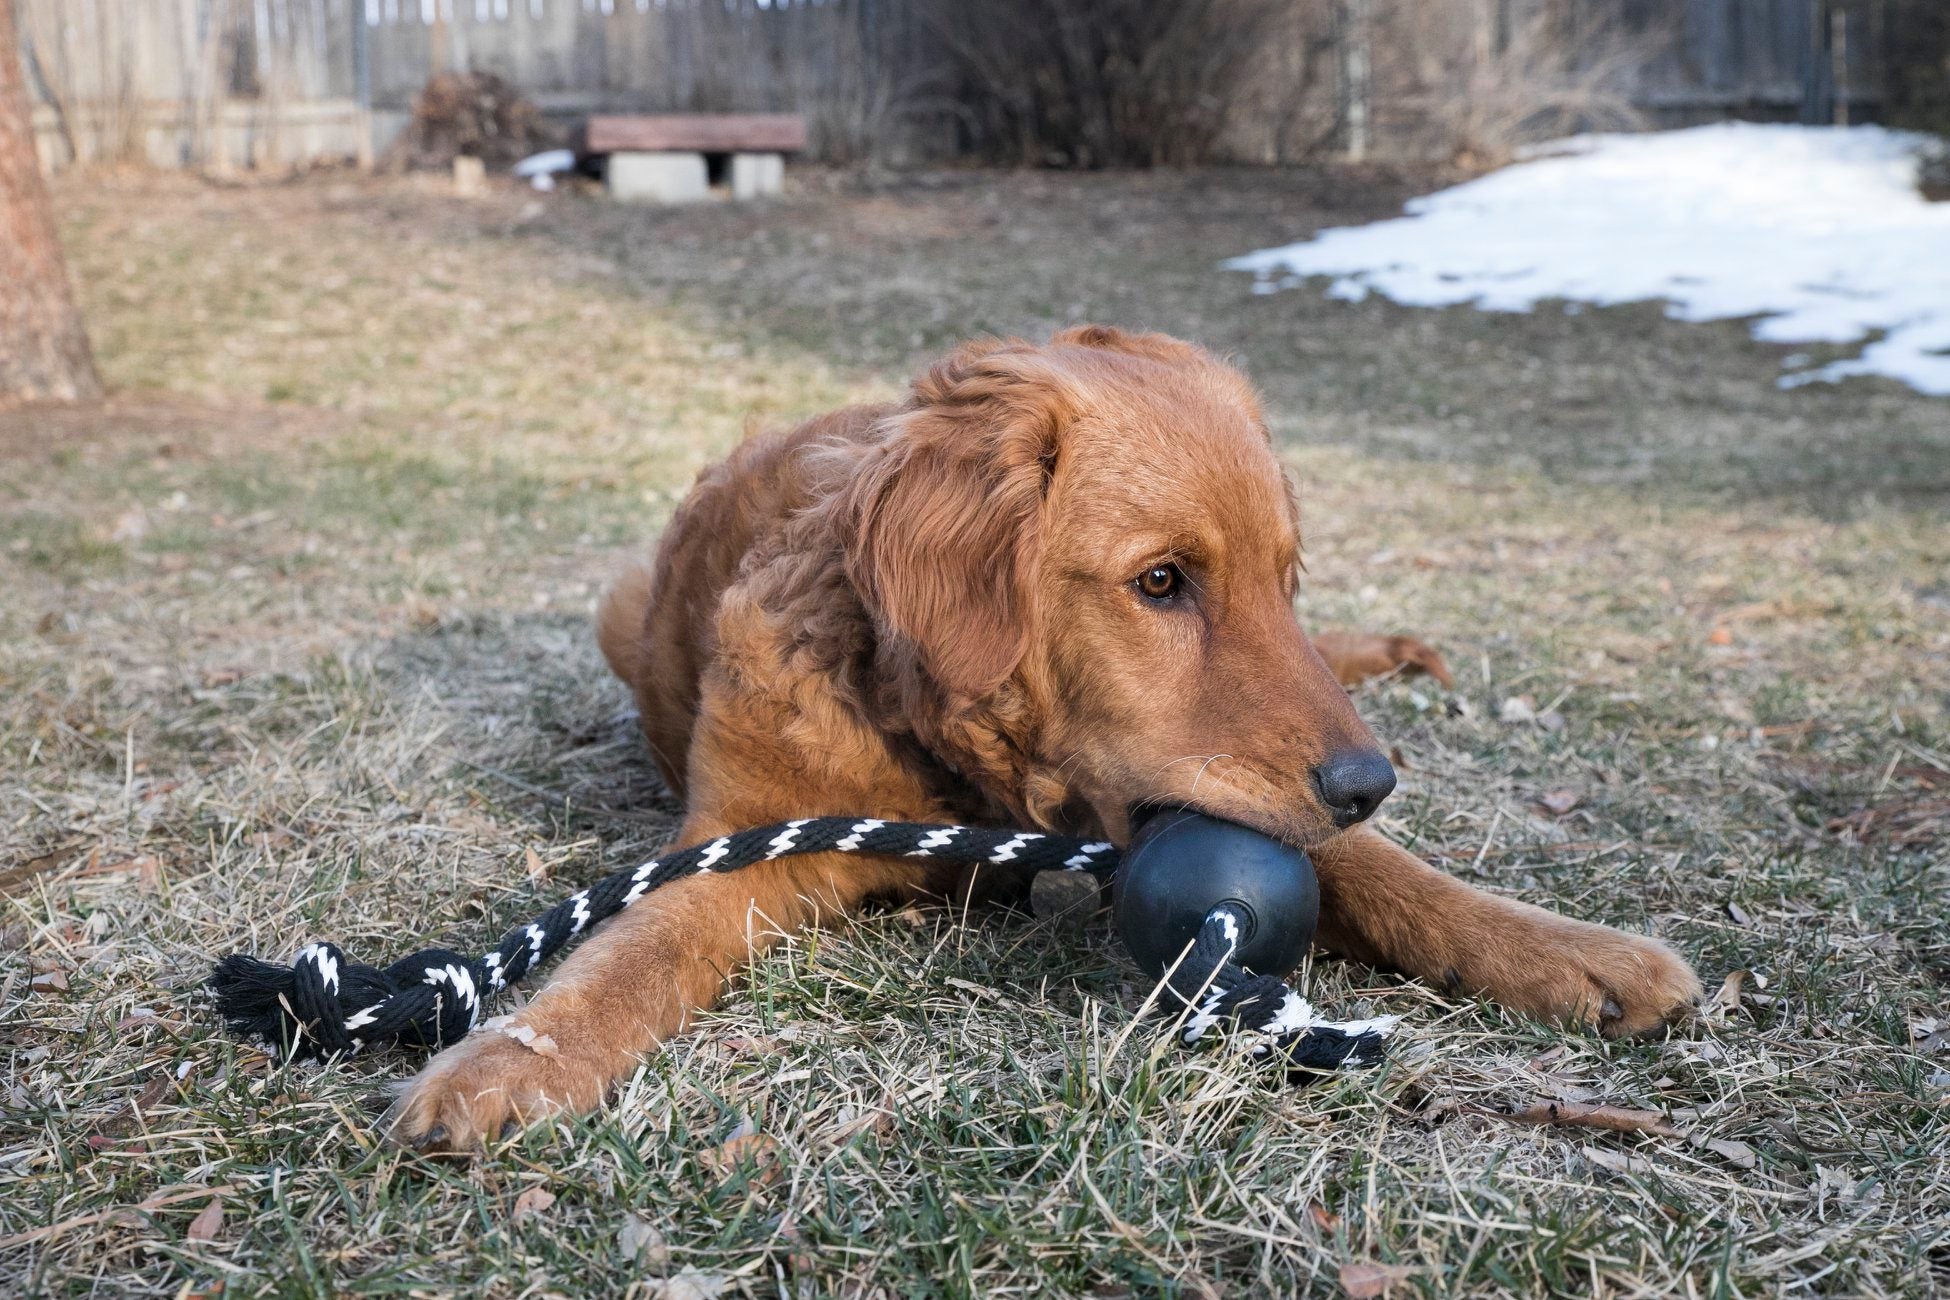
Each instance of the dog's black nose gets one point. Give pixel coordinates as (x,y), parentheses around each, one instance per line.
(1353,783)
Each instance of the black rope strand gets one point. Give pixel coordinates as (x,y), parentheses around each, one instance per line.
(1288,1029)
(323,1005)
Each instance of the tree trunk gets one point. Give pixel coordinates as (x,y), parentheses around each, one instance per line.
(43,349)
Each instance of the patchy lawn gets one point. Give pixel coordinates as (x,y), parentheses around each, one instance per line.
(296,645)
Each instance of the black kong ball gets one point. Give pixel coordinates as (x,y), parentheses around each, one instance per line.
(1182,865)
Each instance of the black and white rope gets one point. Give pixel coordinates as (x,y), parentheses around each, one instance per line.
(322,1005)
(1283,1025)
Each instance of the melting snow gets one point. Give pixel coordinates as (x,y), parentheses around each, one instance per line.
(1819,232)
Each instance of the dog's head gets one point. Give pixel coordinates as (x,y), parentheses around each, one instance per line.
(1088,553)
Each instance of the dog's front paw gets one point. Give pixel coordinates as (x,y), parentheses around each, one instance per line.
(1619,984)
(1357,657)
(488,1086)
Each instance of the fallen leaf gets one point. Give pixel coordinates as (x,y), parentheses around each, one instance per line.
(144,867)
(1720,636)
(689,1285)
(1738,914)
(1570,1114)
(49,981)
(1364,1279)
(421,612)
(1737,1154)
(742,1043)
(1728,998)
(878,1120)
(152,1093)
(1616,1161)
(116,1214)
(537,869)
(540,1044)
(756,1154)
(207,1223)
(1559,802)
(978,990)
(1833,1180)
(535,1200)
(643,1244)
(1324,1219)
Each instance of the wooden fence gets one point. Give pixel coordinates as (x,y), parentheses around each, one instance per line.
(208,83)
(1808,60)
(221,83)
(856,68)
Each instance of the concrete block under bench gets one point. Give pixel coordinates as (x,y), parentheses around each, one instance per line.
(757,175)
(659,177)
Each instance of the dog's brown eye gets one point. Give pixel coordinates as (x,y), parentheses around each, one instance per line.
(1160,581)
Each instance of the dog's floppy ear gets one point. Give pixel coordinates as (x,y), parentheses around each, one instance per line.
(943,523)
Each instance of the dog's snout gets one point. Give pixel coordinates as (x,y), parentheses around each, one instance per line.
(1353,783)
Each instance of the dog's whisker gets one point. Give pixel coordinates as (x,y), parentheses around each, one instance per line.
(1201,772)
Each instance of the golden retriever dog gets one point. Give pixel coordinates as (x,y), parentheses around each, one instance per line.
(1053,586)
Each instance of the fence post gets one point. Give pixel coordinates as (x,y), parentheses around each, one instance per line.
(1357,75)
(362,12)
(1838,62)
(1817,96)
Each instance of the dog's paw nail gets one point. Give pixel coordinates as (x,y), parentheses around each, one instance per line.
(433,1137)
(1611,1010)
(509,1128)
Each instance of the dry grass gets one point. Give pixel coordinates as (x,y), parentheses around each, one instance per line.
(295,644)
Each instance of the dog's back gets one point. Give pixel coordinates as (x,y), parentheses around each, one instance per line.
(657,623)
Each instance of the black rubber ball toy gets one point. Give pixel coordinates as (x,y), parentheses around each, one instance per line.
(1182,865)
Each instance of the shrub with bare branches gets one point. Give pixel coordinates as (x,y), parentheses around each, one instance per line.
(1488,78)
(1916,62)
(1096,83)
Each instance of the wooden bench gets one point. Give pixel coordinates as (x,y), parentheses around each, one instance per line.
(674,157)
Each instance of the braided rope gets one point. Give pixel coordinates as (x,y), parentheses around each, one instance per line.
(322,1005)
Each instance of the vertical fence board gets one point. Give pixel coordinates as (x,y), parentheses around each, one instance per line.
(240,82)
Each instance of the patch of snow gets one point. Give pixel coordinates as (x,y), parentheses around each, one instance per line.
(1819,232)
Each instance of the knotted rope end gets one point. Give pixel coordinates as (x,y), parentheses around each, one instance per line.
(323,1005)
(253,998)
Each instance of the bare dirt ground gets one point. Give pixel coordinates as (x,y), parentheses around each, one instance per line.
(295,645)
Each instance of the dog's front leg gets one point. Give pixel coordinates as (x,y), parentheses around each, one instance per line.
(1355,657)
(1381,904)
(634,984)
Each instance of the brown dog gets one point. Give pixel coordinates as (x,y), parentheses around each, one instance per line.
(1053,585)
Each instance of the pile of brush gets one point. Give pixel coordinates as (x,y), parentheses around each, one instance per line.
(468,114)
